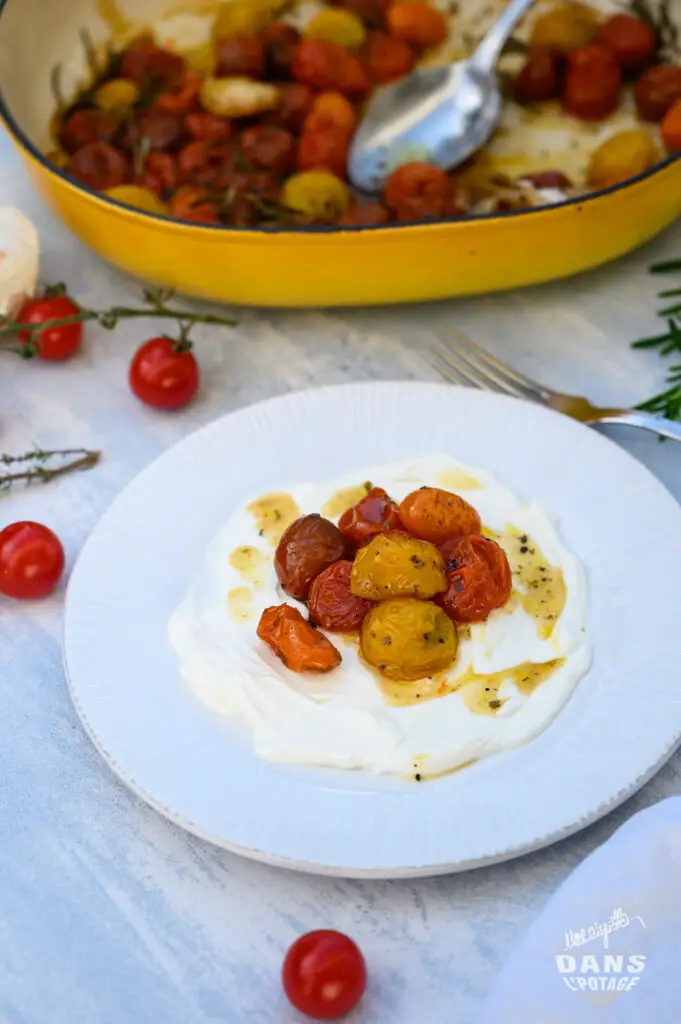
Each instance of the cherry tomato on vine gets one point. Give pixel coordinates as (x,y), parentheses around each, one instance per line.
(164,373)
(31,560)
(324,974)
(54,343)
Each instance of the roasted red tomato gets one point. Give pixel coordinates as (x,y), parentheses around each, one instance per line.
(436,515)
(193,202)
(295,103)
(203,163)
(332,605)
(160,173)
(240,56)
(324,151)
(87,126)
(418,208)
(478,580)
(371,12)
(159,131)
(375,513)
(363,215)
(181,99)
(205,127)
(309,546)
(656,90)
(300,646)
(100,166)
(630,39)
(331,110)
(592,84)
(144,61)
(541,77)
(269,147)
(248,189)
(329,66)
(416,179)
(548,179)
(387,58)
(281,42)
(418,24)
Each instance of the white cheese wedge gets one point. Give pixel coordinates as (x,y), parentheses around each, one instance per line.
(19,252)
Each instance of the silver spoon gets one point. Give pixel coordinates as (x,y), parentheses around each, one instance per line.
(441,114)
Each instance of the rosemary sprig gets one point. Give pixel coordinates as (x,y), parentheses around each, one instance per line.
(157,307)
(34,466)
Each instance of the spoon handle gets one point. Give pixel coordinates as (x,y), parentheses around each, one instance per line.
(487,54)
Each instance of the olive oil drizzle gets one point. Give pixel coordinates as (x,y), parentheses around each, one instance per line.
(240,604)
(538,586)
(344,499)
(251,564)
(273,514)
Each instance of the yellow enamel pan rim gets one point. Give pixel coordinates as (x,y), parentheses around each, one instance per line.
(303,233)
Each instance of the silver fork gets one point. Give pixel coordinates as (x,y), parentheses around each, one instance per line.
(460,361)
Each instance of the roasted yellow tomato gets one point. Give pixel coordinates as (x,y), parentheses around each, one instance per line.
(567,27)
(394,565)
(407,639)
(248,16)
(620,157)
(117,94)
(319,195)
(337,25)
(140,198)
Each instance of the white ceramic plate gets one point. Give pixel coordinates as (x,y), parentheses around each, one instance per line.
(197,768)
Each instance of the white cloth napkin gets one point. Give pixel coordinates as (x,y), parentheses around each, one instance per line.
(628,892)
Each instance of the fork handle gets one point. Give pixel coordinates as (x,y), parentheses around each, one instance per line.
(645,421)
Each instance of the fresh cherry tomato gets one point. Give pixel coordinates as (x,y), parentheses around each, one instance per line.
(164,374)
(100,166)
(630,39)
(205,127)
(592,84)
(54,343)
(540,78)
(324,974)
(240,56)
(418,24)
(31,560)
(183,97)
(328,66)
(331,603)
(436,515)
(363,215)
(269,147)
(299,645)
(375,513)
(87,126)
(478,580)
(387,58)
(656,90)
(324,151)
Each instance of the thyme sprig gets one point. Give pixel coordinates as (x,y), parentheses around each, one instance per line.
(156,306)
(38,466)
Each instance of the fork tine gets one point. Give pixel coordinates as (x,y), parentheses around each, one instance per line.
(530,388)
(444,369)
(495,380)
(456,362)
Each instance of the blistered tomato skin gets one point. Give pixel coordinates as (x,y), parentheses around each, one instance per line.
(407,639)
(395,565)
(478,580)
(325,150)
(240,56)
(374,514)
(100,166)
(541,77)
(87,126)
(388,58)
(435,515)
(364,215)
(418,24)
(299,645)
(328,66)
(593,83)
(417,180)
(308,546)
(656,90)
(332,605)
(269,148)
(631,40)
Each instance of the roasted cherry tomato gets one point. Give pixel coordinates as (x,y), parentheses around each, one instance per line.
(324,150)
(566,27)
(248,190)
(332,605)
(240,56)
(622,156)
(54,343)
(328,66)
(630,39)
(414,180)
(331,110)
(324,975)
(656,90)
(31,561)
(164,374)
(478,580)
(375,513)
(308,546)
(395,565)
(364,215)
(281,42)
(295,103)
(547,179)
(193,203)
(371,12)
(205,127)
(100,166)
(183,98)
(387,58)
(418,24)
(159,174)
(269,147)
(87,126)
(592,84)
(541,77)
(300,646)
(408,639)
(158,130)
(671,128)
(413,209)
(144,61)
(435,515)
(206,163)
